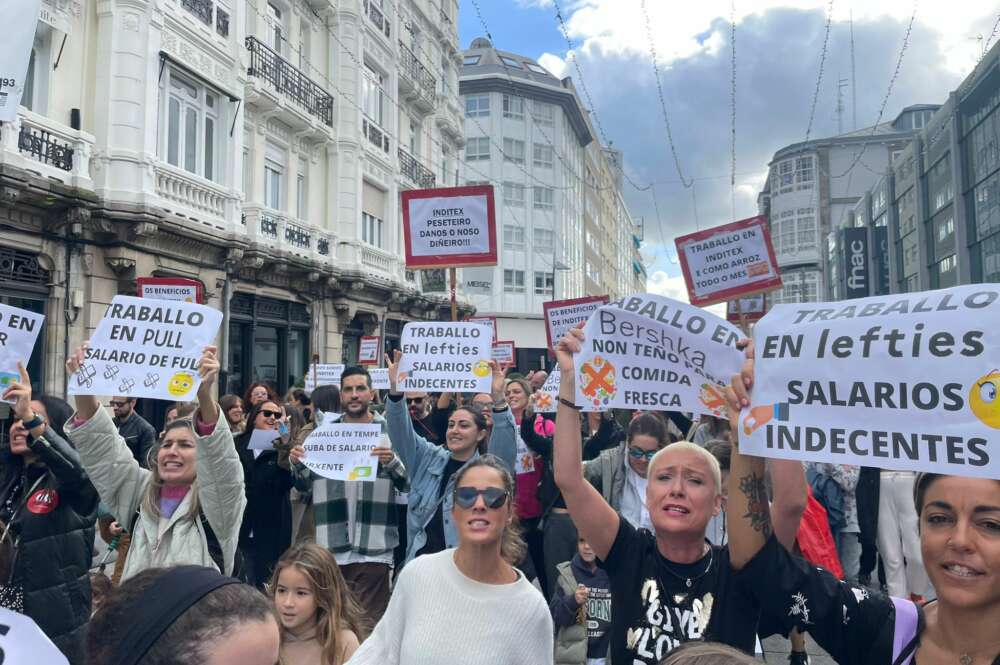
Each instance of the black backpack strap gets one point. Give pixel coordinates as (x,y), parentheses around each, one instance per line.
(214,547)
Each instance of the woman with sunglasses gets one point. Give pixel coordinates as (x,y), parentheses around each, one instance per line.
(432,468)
(267,521)
(467,605)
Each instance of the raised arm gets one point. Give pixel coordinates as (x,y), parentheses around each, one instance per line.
(596,521)
(414,451)
(788,483)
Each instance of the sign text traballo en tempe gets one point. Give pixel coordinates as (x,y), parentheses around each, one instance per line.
(906,381)
(449,227)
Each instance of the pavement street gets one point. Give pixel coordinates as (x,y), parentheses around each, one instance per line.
(776,651)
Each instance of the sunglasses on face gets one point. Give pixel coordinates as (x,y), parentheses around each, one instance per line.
(483,405)
(267,413)
(493,497)
(639,453)
(113,404)
(414,400)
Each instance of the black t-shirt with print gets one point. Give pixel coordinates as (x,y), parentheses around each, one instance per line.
(654,611)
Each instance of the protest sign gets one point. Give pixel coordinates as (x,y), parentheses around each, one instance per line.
(728,261)
(449,227)
(549,393)
(380,378)
(170,288)
(147,348)
(19,20)
(650,352)
(342,451)
(907,381)
(504,352)
(369,350)
(19,329)
(751,309)
(263,439)
(22,641)
(445,357)
(327,374)
(490,321)
(562,315)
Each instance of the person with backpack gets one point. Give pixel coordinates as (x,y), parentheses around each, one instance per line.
(186,509)
(843,518)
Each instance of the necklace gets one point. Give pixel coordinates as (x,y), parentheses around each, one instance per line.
(689,581)
(965,659)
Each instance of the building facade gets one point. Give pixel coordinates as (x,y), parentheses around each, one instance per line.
(256,146)
(813,186)
(932,220)
(563,228)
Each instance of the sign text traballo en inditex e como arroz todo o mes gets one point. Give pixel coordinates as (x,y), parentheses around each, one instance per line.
(904,381)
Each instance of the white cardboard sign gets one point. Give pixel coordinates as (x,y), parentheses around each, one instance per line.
(380,378)
(19,330)
(504,353)
(563,315)
(327,374)
(263,439)
(650,352)
(445,226)
(368,350)
(343,451)
(445,357)
(147,348)
(19,19)
(23,642)
(549,394)
(907,381)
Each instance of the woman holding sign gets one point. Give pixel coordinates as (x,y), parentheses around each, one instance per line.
(185,509)
(959,523)
(433,469)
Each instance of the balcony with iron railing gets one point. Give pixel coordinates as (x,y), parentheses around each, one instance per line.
(36,143)
(274,230)
(378,19)
(416,80)
(203,11)
(286,79)
(414,171)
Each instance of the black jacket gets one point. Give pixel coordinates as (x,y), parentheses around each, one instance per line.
(139,436)
(268,515)
(53,528)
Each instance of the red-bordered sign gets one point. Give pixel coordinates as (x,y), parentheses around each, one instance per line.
(369,350)
(171,288)
(492,320)
(727,261)
(504,352)
(561,315)
(751,309)
(449,227)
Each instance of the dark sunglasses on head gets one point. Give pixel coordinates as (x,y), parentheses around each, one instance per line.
(639,453)
(267,413)
(493,497)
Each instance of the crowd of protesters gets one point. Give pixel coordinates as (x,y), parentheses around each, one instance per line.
(491,534)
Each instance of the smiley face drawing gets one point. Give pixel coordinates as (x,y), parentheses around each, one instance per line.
(984,399)
(481,368)
(180,384)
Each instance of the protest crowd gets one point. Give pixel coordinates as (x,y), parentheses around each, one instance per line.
(483,529)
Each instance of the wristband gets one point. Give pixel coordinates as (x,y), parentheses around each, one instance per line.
(566,402)
(499,407)
(35,421)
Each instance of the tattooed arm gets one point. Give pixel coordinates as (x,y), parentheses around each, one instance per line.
(747,511)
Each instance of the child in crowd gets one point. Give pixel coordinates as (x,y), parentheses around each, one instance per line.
(581,610)
(321,623)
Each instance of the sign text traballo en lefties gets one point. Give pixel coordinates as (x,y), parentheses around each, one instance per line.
(449,227)
(727,261)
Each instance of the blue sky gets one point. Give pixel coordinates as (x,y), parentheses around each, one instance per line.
(528,30)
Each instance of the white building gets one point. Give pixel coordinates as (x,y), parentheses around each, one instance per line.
(812,188)
(257,146)
(560,213)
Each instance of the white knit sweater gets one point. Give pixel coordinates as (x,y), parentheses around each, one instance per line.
(438,616)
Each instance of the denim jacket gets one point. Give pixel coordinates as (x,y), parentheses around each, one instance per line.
(425,463)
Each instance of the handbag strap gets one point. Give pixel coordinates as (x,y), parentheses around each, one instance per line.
(905,638)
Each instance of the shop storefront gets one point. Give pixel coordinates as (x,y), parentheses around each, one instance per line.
(268,341)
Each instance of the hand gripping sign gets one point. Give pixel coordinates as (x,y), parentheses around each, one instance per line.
(445,357)
(907,381)
(19,329)
(343,451)
(650,352)
(147,348)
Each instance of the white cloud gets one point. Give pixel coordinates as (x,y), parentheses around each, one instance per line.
(673,287)
(556,65)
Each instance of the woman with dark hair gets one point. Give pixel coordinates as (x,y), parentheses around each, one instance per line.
(267,522)
(48,508)
(432,469)
(186,508)
(258,392)
(177,616)
(232,409)
(959,526)
(468,605)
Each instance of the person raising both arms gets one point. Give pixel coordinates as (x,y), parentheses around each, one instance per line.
(185,509)
(959,523)
(668,586)
(468,605)
(432,469)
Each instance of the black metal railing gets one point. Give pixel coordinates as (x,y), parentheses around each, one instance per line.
(298,236)
(417,72)
(376,16)
(323,247)
(221,23)
(289,80)
(200,8)
(269,227)
(40,145)
(416,172)
(375,135)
